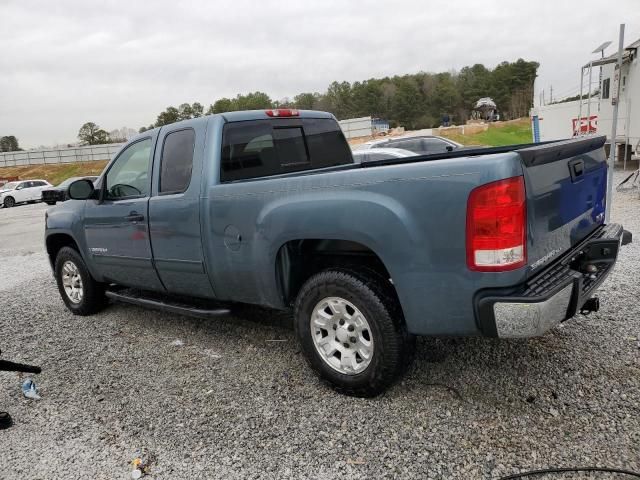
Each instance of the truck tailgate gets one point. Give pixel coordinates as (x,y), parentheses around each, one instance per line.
(566,188)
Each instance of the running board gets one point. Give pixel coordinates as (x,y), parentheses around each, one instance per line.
(135,297)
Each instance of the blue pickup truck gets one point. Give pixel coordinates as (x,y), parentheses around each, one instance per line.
(268,208)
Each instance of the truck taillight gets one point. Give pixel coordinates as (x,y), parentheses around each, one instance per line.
(496,226)
(283,112)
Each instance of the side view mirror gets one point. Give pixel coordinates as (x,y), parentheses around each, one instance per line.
(81,190)
(449,148)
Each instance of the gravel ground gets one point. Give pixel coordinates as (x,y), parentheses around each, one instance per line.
(234,399)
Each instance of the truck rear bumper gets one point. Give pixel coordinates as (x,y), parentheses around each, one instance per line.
(554,294)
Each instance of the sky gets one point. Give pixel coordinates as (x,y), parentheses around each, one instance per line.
(120,63)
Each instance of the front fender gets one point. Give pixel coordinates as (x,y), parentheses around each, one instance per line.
(67,219)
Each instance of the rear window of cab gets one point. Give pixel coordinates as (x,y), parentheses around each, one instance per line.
(261,148)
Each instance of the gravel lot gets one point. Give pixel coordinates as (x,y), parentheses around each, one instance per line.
(235,399)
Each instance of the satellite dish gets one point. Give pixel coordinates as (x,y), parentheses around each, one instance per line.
(601,47)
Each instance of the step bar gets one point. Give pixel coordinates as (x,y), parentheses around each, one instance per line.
(180,308)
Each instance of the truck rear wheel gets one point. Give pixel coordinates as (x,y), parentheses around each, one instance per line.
(350,327)
(79,291)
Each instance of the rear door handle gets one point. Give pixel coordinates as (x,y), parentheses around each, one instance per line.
(135,217)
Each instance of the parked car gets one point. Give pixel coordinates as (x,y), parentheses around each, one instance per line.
(269,208)
(23,191)
(371,155)
(420,145)
(59,193)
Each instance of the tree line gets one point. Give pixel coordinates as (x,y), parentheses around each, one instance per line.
(414,101)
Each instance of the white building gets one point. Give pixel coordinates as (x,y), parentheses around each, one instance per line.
(560,120)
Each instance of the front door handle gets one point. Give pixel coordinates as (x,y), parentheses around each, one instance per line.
(135,217)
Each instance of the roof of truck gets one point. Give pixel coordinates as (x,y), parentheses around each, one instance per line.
(244,115)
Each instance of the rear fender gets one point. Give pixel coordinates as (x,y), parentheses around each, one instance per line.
(376,221)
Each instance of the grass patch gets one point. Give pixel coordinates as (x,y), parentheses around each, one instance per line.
(498,134)
(54,174)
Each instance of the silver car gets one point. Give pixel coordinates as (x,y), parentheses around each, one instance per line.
(419,145)
(371,155)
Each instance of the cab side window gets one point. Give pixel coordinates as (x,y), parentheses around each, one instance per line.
(177,161)
(129,175)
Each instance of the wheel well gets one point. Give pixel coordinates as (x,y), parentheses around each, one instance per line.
(298,260)
(56,241)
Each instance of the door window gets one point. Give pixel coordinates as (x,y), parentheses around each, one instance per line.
(129,175)
(177,161)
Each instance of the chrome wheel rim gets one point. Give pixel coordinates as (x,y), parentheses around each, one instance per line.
(72,282)
(342,336)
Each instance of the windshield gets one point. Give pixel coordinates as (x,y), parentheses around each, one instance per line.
(68,181)
(9,186)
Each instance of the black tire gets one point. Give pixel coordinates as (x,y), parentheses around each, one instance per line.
(50,203)
(9,202)
(374,297)
(93,298)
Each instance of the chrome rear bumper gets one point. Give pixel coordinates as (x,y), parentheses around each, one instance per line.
(553,295)
(518,320)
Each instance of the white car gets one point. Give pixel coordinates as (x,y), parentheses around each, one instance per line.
(371,155)
(22,191)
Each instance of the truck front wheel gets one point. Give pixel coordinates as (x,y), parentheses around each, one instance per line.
(79,291)
(350,327)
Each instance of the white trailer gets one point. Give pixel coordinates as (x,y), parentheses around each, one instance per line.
(560,120)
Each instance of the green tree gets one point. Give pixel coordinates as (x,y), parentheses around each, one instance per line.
(185,112)
(305,101)
(367,98)
(253,101)
(196,109)
(9,143)
(169,116)
(339,99)
(222,105)
(92,134)
(405,109)
(473,83)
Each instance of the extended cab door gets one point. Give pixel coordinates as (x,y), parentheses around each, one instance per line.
(116,228)
(174,209)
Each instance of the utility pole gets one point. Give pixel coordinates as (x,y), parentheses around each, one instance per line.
(551,94)
(614,124)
